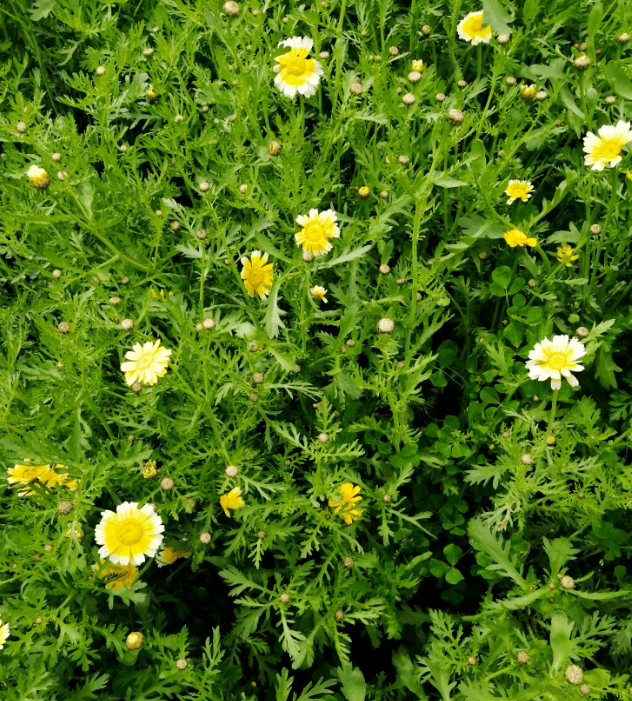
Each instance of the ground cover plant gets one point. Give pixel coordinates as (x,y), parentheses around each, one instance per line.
(315,332)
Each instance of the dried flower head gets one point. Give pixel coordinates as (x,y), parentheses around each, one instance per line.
(522,657)
(348,562)
(64,507)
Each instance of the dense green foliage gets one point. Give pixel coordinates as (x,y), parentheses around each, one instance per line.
(492,549)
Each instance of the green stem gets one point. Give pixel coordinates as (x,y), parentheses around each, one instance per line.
(553,408)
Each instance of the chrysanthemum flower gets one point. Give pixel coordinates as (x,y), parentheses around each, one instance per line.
(346,506)
(4,633)
(565,255)
(418,65)
(117,576)
(518,190)
(470,28)
(38,177)
(168,555)
(129,534)
(318,293)
(605,148)
(296,72)
(28,474)
(556,359)
(146,363)
(518,238)
(257,274)
(231,500)
(316,231)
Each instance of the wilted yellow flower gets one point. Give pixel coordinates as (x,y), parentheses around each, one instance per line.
(149,470)
(565,255)
(146,363)
(527,92)
(117,576)
(168,555)
(38,177)
(257,274)
(162,295)
(346,506)
(516,238)
(231,500)
(518,190)
(318,293)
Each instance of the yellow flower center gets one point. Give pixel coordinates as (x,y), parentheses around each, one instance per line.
(255,276)
(608,148)
(145,361)
(518,190)
(295,65)
(314,231)
(557,361)
(129,532)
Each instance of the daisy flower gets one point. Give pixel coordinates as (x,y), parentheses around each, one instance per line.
(470,28)
(231,500)
(346,506)
(118,576)
(4,633)
(418,65)
(318,293)
(168,555)
(146,363)
(555,359)
(38,177)
(129,534)
(518,238)
(565,255)
(316,231)
(604,149)
(257,274)
(295,72)
(25,474)
(518,190)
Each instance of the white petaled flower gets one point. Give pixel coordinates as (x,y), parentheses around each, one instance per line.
(556,359)
(295,71)
(319,293)
(317,228)
(470,28)
(4,633)
(604,148)
(129,534)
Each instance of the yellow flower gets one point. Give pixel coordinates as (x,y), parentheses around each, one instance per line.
(527,92)
(565,255)
(118,576)
(27,474)
(129,534)
(604,149)
(4,633)
(231,500)
(168,555)
(296,72)
(628,174)
(316,231)
(346,506)
(470,28)
(162,295)
(151,94)
(134,641)
(38,177)
(418,65)
(318,293)
(555,359)
(518,190)
(146,363)
(515,237)
(149,470)
(257,274)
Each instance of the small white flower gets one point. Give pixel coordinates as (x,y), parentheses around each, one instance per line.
(470,28)
(604,149)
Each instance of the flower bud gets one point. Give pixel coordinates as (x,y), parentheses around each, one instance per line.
(595,229)
(455,116)
(231,471)
(204,186)
(127,324)
(348,562)
(20,127)
(284,598)
(414,76)
(574,674)
(510,80)
(462,83)
(148,52)
(136,387)
(623,37)
(182,664)
(63,327)
(323,55)
(471,660)
(323,437)
(64,507)
(408,98)
(258,378)
(425,30)
(581,63)
(403,160)
(205,538)
(385,325)
(363,192)
(174,226)
(167,484)
(522,657)
(439,97)
(384,194)
(56,157)
(208,324)
(134,641)
(385,269)
(502,38)
(340,614)
(582,332)
(526,459)
(274,148)
(356,88)
(243,188)
(567,582)
(100,70)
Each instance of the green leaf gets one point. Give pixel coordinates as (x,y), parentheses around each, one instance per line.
(502,276)
(570,103)
(453,576)
(561,644)
(490,395)
(349,256)
(437,568)
(41,9)
(620,82)
(516,286)
(559,551)
(594,19)
(534,315)
(496,15)
(407,673)
(514,333)
(353,684)
(447,181)
(452,553)
(273,313)
(484,541)
(438,379)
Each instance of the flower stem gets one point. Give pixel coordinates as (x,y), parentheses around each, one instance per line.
(553,408)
